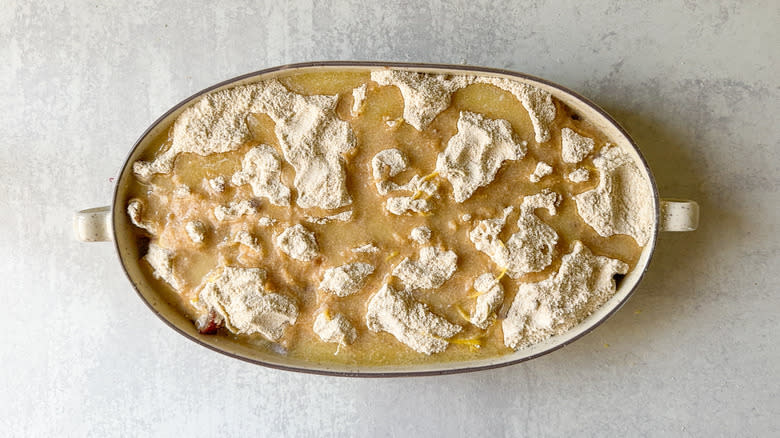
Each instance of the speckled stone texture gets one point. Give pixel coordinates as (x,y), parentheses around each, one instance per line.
(694,353)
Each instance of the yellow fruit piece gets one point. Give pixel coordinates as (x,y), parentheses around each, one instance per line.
(462,312)
(430,176)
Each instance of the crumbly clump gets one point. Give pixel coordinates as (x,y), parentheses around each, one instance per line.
(344,216)
(530,249)
(387,163)
(476,152)
(431,269)
(298,243)
(161,261)
(346,279)
(266,221)
(358,97)
(622,203)
(244,238)
(334,328)
(425,95)
(135,210)
(217,184)
(234,210)
(368,248)
(313,139)
(399,205)
(575,147)
(261,168)
(410,321)
(583,283)
(421,235)
(578,175)
(538,103)
(489,299)
(239,297)
(182,191)
(196,230)
(422,185)
(542,169)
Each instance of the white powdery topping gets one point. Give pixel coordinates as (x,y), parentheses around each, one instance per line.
(346,279)
(344,216)
(465,217)
(261,168)
(425,95)
(336,329)
(181,191)
(575,147)
(387,163)
(312,138)
(538,103)
(238,296)
(310,133)
(161,261)
(358,97)
(216,123)
(410,321)
(266,221)
(476,152)
(622,203)
(244,238)
(528,250)
(416,184)
(196,230)
(217,184)
(298,243)
(578,175)
(490,298)
(431,269)
(234,210)
(552,306)
(421,234)
(135,209)
(484,236)
(401,204)
(369,248)
(542,169)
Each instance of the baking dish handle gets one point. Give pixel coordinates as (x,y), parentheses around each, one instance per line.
(93,225)
(679,215)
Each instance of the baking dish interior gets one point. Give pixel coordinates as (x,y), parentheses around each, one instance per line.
(149,288)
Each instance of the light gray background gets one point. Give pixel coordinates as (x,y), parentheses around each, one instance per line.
(694,353)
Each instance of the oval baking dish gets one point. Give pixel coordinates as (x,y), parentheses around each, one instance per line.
(112,223)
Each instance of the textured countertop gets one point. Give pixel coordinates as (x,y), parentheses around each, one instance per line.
(694,353)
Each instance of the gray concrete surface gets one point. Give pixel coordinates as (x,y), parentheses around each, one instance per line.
(694,353)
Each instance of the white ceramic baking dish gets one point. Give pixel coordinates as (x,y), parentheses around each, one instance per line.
(112,224)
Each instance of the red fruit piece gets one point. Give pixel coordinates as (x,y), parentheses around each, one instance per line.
(209,324)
